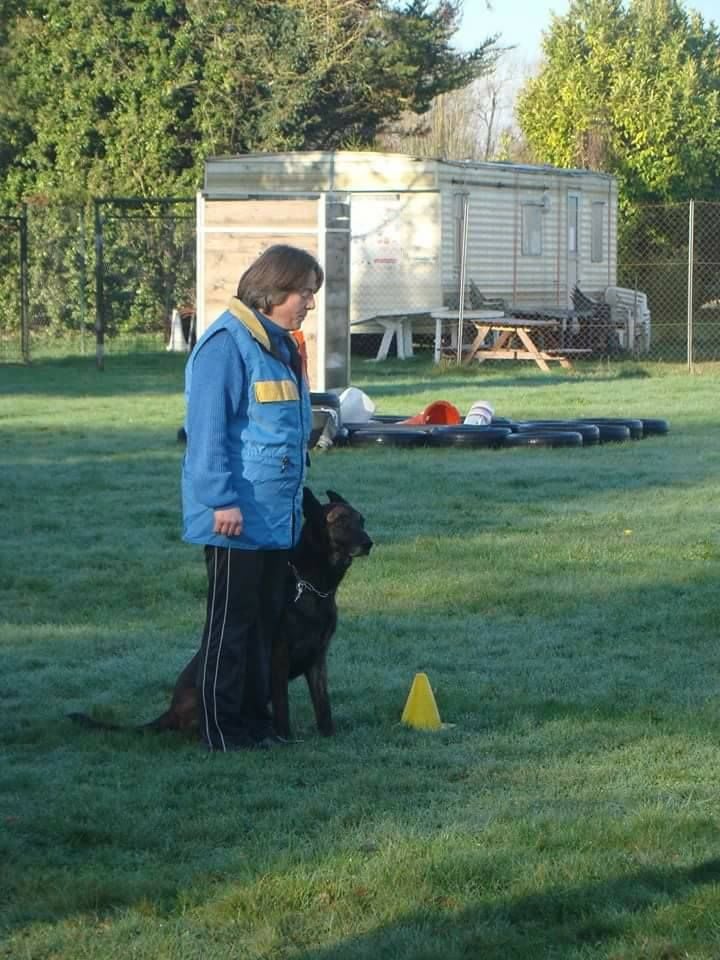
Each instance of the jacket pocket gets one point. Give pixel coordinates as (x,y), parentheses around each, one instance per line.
(267,485)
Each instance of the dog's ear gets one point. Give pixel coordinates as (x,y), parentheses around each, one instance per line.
(335,497)
(311,505)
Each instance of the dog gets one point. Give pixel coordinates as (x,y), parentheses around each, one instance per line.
(332,536)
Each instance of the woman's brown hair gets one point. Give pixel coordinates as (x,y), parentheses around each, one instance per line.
(277,272)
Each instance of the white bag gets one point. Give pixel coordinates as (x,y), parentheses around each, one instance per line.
(355,406)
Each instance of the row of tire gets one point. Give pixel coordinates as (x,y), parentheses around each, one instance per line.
(389,431)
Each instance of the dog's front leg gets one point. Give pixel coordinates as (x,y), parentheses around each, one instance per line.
(280,667)
(316,677)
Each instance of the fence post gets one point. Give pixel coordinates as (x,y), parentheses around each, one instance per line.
(24,303)
(82,263)
(463,270)
(99,293)
(691,263)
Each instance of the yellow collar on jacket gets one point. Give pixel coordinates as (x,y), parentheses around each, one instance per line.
(248,319)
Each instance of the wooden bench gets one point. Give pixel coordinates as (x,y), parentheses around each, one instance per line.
(565,350)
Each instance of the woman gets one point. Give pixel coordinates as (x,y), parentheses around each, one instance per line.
(248,423)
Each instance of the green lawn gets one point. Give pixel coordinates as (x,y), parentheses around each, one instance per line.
(564,604)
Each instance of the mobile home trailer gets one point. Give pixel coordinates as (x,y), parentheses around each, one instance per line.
(393,231)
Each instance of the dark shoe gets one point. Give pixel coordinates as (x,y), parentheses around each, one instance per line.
(235,747)
(275,740)
(252,745)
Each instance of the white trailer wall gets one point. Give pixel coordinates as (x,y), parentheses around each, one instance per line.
(395,253)
(500,198)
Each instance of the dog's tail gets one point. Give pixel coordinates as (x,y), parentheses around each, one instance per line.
(181,716)
(171,720)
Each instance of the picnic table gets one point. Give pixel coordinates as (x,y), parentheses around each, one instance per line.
(499,336)
(512,334)
(392,323)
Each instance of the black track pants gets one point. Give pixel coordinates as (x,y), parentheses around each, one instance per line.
(246,592)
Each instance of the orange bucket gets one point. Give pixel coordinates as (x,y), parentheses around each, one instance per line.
(439,411)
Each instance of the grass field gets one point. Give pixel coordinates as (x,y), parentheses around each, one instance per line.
(564,604)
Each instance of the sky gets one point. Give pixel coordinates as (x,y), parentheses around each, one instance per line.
(521,22)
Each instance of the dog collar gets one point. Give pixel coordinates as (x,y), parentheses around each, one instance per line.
(303,585)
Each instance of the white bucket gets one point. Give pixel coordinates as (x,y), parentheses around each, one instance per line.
(480,412)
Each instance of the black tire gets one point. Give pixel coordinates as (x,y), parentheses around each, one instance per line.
(467,435)
(325,399)
(387,427)
(590,432)
(655,427)
(384,437)
(613,432)
(544,438)
(634,425)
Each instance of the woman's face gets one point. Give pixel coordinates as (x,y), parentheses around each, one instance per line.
(291,313)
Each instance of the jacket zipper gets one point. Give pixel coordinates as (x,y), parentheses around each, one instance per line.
(301,453)
(299,382)
(285,462)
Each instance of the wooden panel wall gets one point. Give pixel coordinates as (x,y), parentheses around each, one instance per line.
(236,232)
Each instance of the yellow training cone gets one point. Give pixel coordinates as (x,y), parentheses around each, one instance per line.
(421,710)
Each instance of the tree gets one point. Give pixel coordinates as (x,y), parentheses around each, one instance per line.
(634,91)
(472,123)
(129,96)
(448,130)
(126,98)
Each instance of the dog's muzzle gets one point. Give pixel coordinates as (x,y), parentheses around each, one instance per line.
(363,548)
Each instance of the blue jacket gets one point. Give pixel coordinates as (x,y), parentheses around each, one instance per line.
(248,424)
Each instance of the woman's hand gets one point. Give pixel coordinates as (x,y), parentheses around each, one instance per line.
(228,522)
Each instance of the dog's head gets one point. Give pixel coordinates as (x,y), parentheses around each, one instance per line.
(336,527)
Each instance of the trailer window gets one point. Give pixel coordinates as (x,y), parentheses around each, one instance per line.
(531,230)
(597,253)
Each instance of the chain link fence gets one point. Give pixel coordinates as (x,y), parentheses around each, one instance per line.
(144,270)
(14,346)
(671,253)
(665,305)
(109,276)
(112,276)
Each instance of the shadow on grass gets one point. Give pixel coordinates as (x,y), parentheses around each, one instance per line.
(436,384)
(425,375)
(85,446)
(152,373)
(69,788)
(162,373)
(556,923)
(345,783)
(136,434)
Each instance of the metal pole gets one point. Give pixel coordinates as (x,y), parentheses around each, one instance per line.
(691,259)
(463,265)
(83,280)
(99,297)
(24,306)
